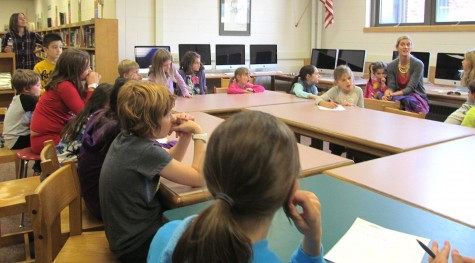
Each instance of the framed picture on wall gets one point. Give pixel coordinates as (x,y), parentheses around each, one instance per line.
(235,18)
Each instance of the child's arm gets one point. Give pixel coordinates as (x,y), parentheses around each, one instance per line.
(202,77)
(308,222)
(181,83)
(178,172)
(326,99)
(179,150)
(256,88)
(235,89)
(360,99)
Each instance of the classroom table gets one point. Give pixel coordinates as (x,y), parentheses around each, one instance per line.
(312,161)
(439,93)
(342,203)
(222,103)
(372,132)
(439,178)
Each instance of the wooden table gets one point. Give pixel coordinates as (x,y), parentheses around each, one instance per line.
(369,131)
(439,178)
(219,104)
(341,203)
(439,93)
(312,160)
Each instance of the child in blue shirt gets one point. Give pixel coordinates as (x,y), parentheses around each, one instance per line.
(303,85)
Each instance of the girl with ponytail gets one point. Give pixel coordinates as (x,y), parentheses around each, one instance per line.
(249,185)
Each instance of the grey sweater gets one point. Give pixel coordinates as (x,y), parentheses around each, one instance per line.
(416,81)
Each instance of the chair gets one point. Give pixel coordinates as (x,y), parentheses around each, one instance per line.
(60,190)
(221,90)
(25,155)
(380,104)
(49,164)
(3,111)
(225,82)
(406,113)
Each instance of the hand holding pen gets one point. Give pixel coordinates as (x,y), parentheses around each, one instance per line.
(442,256)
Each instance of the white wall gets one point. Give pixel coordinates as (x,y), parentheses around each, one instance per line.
(347,32)
(9,7)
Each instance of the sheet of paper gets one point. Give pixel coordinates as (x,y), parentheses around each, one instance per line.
(338,108)
(367,242)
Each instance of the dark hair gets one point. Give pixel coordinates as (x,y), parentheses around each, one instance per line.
(304,71)
(373,67)
(186,63)
(98,100)
(258,177)
(471,87)
(24,78)
(50,37)
(70,66)
(13,26)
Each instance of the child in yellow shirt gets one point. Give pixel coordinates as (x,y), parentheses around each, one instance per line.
(53,47)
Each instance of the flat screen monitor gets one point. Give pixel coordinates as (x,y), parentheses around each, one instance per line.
(324,60)
(263,56)
(448,68)
(144,55)
(230,56)
(422,56)
(354,59)
(203,49)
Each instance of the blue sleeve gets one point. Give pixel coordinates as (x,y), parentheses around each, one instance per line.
(202,77)
(299,256)
(298,90)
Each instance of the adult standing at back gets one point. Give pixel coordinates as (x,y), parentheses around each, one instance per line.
(405,79)
(23,42)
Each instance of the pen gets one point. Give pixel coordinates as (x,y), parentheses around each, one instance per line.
(426,249)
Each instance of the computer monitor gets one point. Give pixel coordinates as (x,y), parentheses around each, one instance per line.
(355,59)
(448,68)
(144,55)
(230,56)
(324,60)
(422,56)
(263,56)
(203,49)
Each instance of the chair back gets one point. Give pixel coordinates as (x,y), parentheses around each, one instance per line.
(380,104)
(58,191)
(49,159)
(225,82)
(220,90)
(406,113)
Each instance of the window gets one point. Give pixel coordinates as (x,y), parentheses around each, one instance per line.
(421,12)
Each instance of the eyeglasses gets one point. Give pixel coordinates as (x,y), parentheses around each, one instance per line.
(454,93)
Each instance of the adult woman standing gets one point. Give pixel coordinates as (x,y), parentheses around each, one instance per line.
(23,42)
(405,79)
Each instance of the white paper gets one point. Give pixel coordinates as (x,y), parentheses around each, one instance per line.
(338,108)
(367,242)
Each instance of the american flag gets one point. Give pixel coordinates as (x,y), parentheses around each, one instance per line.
(328,12)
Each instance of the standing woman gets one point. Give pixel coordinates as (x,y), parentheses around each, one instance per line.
(24,42)
(405,79)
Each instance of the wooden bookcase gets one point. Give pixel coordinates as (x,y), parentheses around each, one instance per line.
(99,38)
(7,64)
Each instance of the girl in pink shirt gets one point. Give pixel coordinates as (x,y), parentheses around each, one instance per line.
(240,83)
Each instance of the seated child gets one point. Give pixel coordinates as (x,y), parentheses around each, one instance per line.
(53,48)
(240,83)
(235,226)
(376,85)
(344,93)
(130,175)
(128,69)
(303,85)
(469,119)
(16,126)
(193,73)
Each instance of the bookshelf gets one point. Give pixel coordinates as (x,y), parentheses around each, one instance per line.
(99,38)
(7,64)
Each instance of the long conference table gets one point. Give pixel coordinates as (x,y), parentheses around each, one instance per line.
(368,131)
(313,161)
(439,179)
(342,203)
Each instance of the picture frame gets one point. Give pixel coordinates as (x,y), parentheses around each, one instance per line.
(235,18)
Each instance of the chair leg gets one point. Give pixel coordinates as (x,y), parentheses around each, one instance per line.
(24,169)
(20,173)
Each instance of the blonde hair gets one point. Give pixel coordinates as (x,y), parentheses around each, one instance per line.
(401,38)
(24,78)
(160,57)
(239,72)
(127,65)
(340,70)
(468,76)
(141,106)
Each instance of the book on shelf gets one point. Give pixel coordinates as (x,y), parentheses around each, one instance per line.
(5,81)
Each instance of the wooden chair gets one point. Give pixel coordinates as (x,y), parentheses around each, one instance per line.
(3,111)
(220,90)
(49,164)
(406,113)
(59,190)
(380,104)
